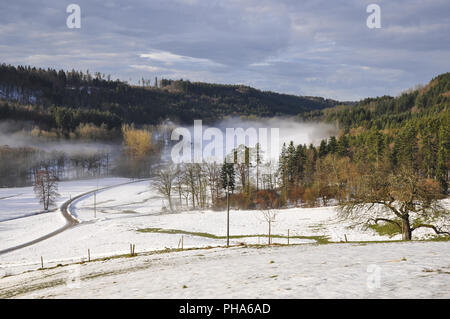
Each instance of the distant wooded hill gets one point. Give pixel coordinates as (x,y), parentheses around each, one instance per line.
(389,112)
(60,99)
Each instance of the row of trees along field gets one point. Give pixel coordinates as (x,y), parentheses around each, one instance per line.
(20,165)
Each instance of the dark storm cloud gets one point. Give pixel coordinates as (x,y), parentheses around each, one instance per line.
(300,47)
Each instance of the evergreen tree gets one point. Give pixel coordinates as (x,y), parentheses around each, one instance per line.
(406,146)
(429,153)
(343,146)
(291,163)
(283,173)
(258,163)
(300,155)
(443,156)
(332,145)
(375,145)
(323,148)
(227,176)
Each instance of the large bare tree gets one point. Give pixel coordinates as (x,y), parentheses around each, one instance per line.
(46,187)
(164,182)
(404,199)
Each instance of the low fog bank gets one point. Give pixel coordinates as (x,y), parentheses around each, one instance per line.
(18,134)
(23,154)
(290,129)
(300,132)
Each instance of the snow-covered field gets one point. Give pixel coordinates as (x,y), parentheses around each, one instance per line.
(388,270)
(123,210)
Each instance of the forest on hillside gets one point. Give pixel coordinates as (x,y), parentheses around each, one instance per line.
(63,100)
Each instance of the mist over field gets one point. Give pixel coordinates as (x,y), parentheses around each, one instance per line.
(17,135)
(24,152)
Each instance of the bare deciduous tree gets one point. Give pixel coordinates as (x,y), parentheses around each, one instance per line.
(164,182)
(270,217)
(46,187)
(213,173)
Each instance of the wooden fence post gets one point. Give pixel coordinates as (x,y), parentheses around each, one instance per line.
(42,263)
(89,255)
(132,250)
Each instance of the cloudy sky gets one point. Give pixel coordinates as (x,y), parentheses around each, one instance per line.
(312,47)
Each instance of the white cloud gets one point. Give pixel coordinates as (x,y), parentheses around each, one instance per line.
(259,64)
(169,58)
(147,68)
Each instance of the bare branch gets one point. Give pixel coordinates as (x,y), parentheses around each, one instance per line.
(436,230)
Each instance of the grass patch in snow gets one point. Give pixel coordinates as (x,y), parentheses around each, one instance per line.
(389,229)
(129,212)
(385,229)
(318,239)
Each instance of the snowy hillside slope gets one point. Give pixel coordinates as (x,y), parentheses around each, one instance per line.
(383,270)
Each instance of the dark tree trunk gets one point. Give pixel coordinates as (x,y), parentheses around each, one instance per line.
(170,202)
(406,228)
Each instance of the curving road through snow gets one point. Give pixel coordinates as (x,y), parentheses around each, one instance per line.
(70,219)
